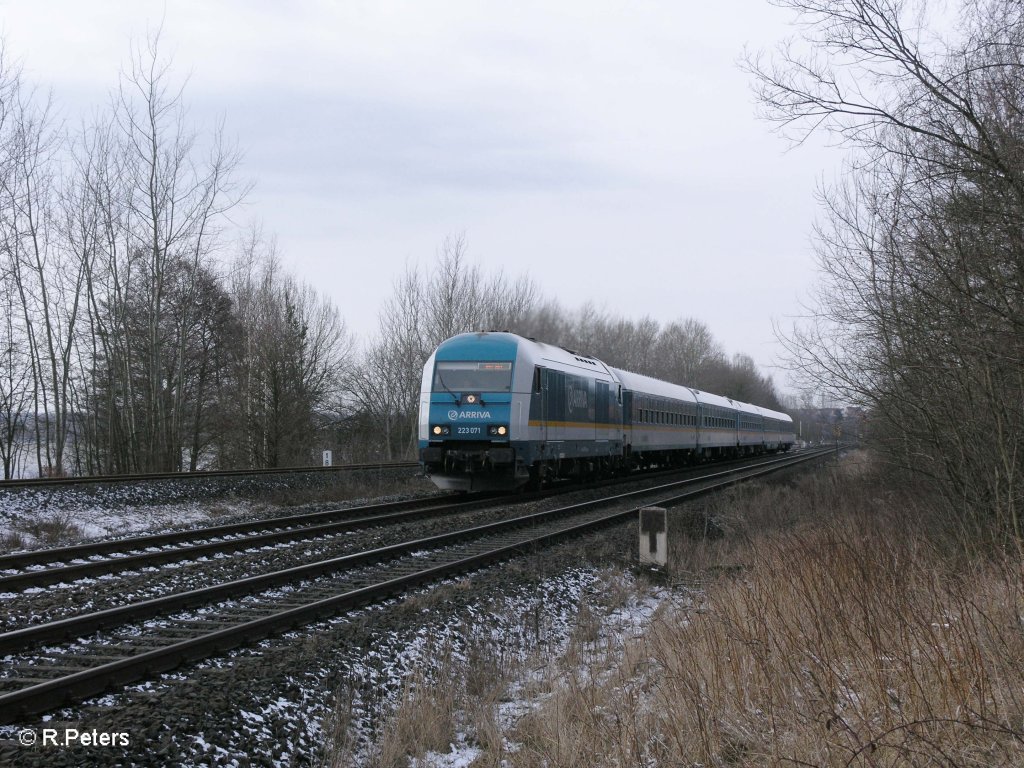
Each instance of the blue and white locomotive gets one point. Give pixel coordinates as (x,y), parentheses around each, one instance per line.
(498,411)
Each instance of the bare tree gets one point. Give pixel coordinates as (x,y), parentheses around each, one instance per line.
(47,275)
(920,315)
(685,351)
(119,332)
(386,384)
(176,203)
(15,381)
(15,363)
(423,311)
(109,354)
(288,352)
(460,297)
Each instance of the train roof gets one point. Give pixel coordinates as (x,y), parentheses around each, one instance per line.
(479,346)
(774,414)
(508,345)
(647,385)
(708,398)
(637,382)
(553,353)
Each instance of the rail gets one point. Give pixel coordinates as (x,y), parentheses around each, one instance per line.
(42,482)
(489,543)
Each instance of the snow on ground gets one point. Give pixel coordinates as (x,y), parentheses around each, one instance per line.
(502,624)
(36,516)
(524,624)
(461,756)
(506,625)
(54,515)
(614,630)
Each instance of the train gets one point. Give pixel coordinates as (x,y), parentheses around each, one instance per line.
(499,411)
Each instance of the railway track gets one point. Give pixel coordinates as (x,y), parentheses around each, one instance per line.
(43,482)
(100,650)
(39,568)
(134,570)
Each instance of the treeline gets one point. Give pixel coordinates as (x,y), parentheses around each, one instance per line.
(139,332)
(920,318)
(131,340)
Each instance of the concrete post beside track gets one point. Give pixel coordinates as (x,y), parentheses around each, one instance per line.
(653,536)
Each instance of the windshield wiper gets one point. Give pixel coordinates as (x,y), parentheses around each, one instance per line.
(456,398)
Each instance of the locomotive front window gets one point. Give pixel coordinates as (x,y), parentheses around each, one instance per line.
(473,376)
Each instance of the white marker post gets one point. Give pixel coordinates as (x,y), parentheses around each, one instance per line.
(327,458)
(653,535)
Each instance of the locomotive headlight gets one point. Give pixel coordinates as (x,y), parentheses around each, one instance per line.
(441,429)
(437,429)
(502,430)
(497,430)
(471,399)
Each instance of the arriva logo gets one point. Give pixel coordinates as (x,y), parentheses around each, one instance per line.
(454,415)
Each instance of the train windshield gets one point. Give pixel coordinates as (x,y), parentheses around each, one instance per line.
(473,377)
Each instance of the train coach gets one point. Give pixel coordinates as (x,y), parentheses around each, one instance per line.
(498,411)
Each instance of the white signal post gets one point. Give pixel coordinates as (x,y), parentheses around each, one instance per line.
(653,536)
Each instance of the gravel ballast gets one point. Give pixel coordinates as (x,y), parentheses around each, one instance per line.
(266,705)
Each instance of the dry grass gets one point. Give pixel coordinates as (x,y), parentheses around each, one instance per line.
(42,529)
(857,639)
(426,718)
(11,540)
(835,623)
(455,692)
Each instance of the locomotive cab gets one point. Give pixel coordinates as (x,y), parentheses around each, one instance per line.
(470,405)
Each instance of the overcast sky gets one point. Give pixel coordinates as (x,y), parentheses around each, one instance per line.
(610,150)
